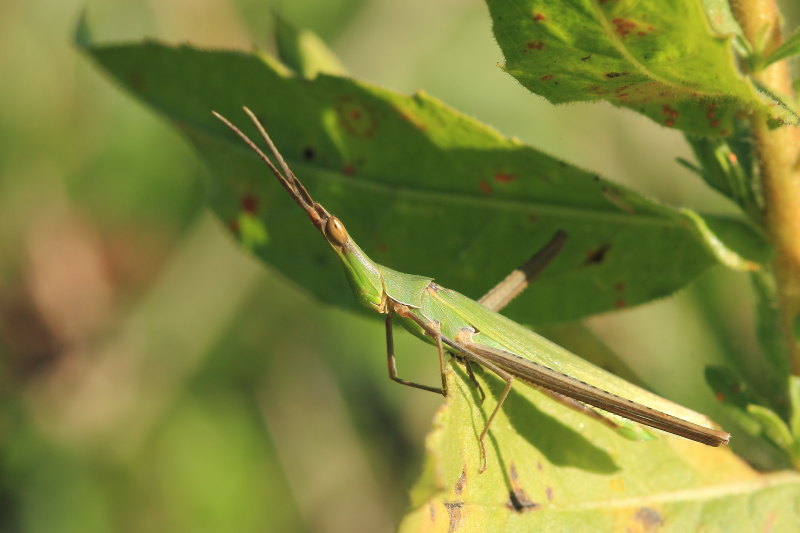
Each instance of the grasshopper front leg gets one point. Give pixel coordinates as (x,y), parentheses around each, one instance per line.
(390,360)
(495,299)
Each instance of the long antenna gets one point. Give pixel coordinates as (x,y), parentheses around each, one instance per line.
(287,179)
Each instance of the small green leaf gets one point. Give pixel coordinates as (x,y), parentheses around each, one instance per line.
(768,326)
(716,246)
(659,58)
(726,164)
(794,417)
(794,399)
(304,52)
(749,411)
(631,430)
(734,395)
(779,103)
(552,469)
(789,48)
(772,426)
(82,36)
(724,24)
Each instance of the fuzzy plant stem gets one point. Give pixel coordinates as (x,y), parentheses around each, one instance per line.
(779,164)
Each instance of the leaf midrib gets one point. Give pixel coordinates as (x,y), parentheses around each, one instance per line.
(502,204)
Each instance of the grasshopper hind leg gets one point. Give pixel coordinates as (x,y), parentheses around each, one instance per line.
(509,379)
(578,406)
(471,374)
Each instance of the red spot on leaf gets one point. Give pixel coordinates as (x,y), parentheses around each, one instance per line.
(596,256)
(649,519)
(619,286)
(136,80)
(249,203)
(504,178)
(546,77)
(720,397)
(485,187)
(381,247)
(623,27)
(538,17)
(518,500)
(349,169)
(535,45)
(233,225)
(724,133)
(461,481)
(356,118)
(714,123)
(533,217)
(732,159)
(767,527)
(669,112)
(619,304)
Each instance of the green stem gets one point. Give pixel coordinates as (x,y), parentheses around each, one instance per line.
(779,164)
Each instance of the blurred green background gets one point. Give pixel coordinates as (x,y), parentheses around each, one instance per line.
(156,378)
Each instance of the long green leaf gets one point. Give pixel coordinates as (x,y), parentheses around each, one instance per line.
(422,188)
(789,48)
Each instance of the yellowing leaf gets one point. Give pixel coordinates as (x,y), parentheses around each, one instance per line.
(552,469)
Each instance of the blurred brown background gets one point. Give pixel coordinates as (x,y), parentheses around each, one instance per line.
(156,378)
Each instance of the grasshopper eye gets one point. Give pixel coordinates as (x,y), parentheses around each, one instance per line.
(334,230)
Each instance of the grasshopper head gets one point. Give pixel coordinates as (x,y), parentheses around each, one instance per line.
(364,276)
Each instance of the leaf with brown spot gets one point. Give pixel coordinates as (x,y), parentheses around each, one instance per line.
(394,167)
(581,475)
(662,52)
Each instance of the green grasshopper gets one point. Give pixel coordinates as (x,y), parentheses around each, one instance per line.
(475,333)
